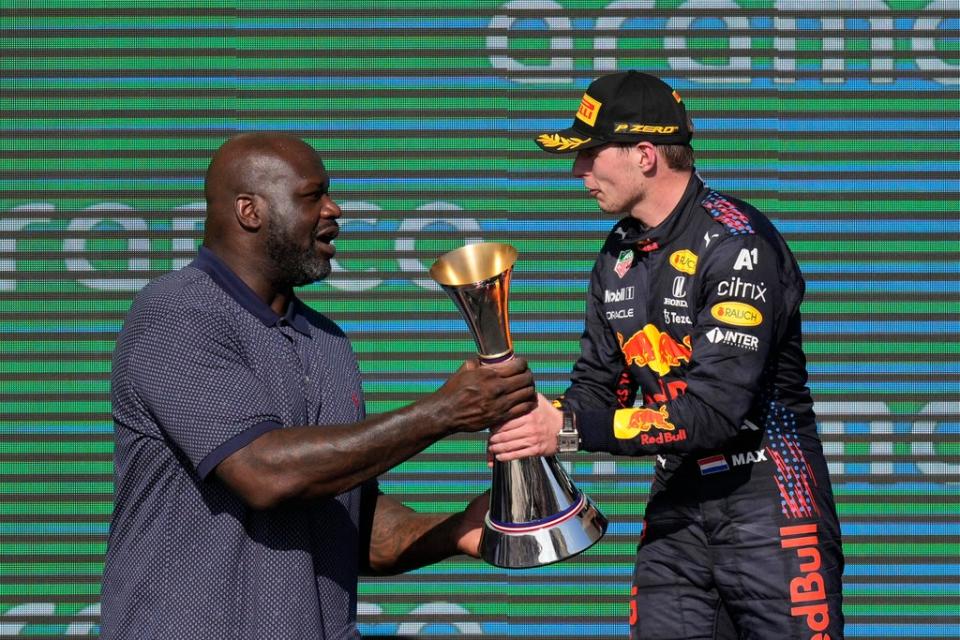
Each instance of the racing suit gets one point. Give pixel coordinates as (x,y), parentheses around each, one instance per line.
(692,353)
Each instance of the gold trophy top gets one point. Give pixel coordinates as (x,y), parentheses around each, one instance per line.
(473,263)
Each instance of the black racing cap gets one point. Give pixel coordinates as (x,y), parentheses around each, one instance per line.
(623,107)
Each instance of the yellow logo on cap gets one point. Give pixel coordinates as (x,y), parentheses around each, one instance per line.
(589,108)
(560,143)
(636,127)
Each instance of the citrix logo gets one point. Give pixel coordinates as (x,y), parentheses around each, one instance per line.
(738,288)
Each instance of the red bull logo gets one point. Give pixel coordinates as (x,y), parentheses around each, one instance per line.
(664,437)
(628,423)
(808,593)
(672,389)
(652,348)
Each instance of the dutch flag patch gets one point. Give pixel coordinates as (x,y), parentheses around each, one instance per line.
(713,464)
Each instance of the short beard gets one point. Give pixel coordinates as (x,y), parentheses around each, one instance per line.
(293,267)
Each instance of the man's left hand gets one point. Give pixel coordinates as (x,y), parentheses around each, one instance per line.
(533,434)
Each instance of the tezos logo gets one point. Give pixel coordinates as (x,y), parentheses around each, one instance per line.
(672,317)
(738,314)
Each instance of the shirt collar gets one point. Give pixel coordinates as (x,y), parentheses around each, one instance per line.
(636,235)
(208,262)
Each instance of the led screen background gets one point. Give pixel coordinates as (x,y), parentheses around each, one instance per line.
(838,119)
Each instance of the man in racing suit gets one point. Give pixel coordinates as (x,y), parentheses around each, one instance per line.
(692,353)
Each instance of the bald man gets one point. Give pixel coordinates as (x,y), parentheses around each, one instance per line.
(246,500)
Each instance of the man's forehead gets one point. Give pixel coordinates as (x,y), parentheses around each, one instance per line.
(310,170)
(299,163)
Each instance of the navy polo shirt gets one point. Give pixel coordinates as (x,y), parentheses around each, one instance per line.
(202,367)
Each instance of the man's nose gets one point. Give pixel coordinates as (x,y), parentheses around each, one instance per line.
(581,165)
(330,208)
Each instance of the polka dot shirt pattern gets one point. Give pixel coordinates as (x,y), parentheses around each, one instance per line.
(202,368)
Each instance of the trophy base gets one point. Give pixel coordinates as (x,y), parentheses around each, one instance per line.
(536,544)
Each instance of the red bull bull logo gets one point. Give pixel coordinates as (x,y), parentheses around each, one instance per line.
(652,348)
(628,423)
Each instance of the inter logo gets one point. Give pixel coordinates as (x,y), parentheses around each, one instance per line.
(733,338)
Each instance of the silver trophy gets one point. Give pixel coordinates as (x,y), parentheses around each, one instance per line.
(537,516)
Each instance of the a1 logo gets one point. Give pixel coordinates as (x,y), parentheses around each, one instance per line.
(745,260)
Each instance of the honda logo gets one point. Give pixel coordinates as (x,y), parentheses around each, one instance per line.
(679,286)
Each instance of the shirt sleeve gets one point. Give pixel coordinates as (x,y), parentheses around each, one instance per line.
(189,372)
(595,374)
(740,298)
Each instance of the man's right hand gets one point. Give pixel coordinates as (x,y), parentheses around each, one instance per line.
(478,396)
(324,461)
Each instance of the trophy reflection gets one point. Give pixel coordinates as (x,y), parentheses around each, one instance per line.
(537,516)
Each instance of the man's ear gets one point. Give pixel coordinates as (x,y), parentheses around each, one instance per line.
(247,209)
(647,156)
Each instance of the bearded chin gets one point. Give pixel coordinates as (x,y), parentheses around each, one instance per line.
(307,268)
(294,267)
